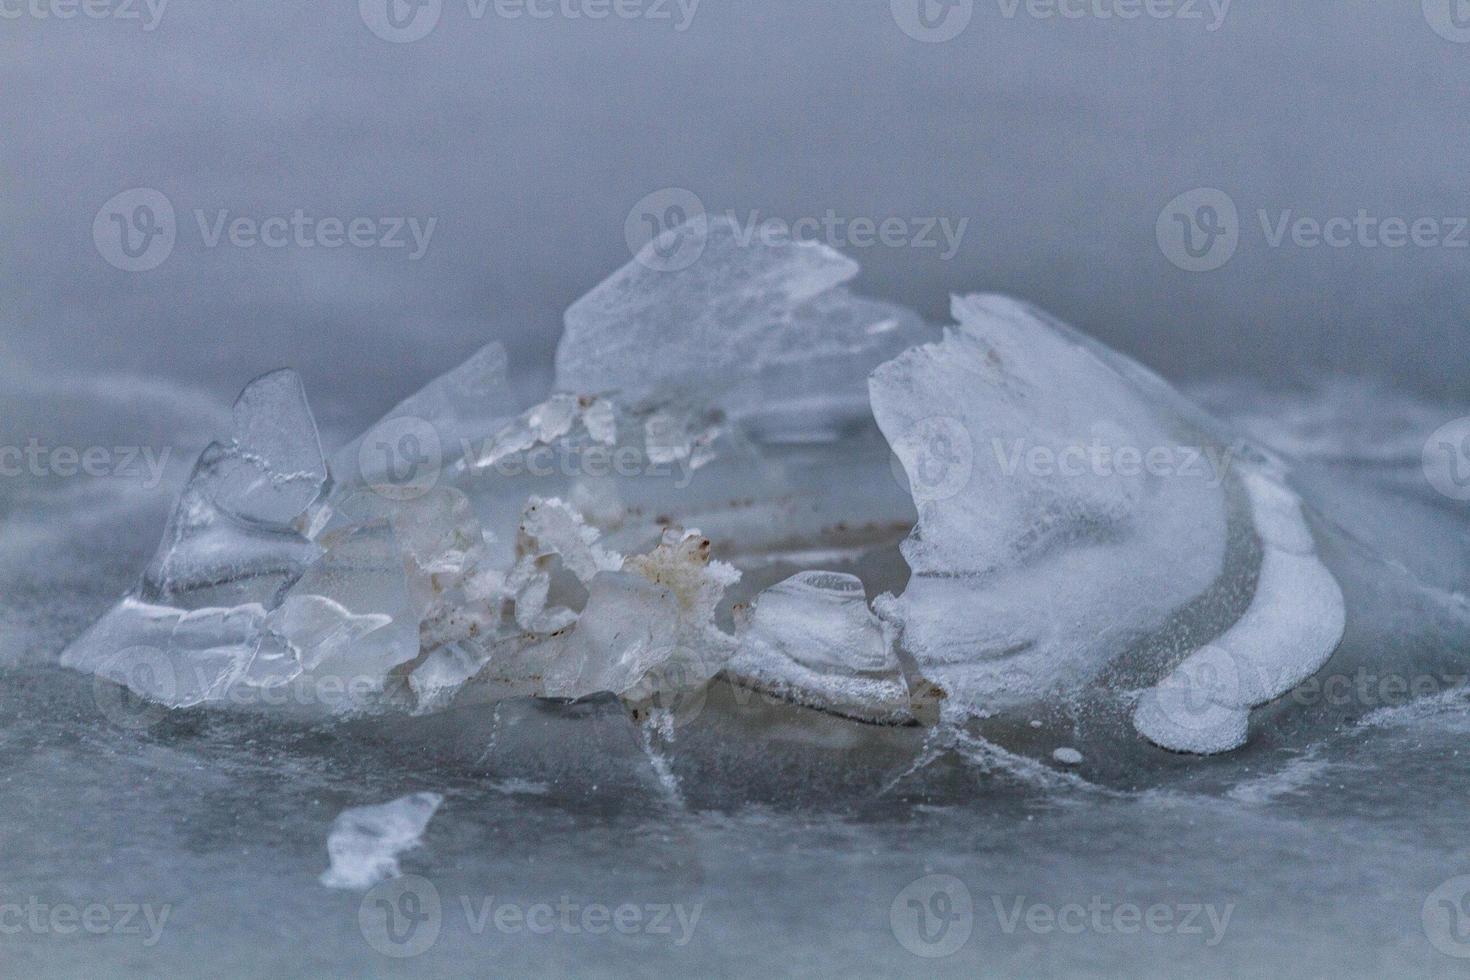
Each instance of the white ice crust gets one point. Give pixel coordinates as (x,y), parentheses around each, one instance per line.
(1293,624)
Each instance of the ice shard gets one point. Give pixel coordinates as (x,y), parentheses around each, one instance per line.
(365,841)
(760,328)
(237,533)
(812,639)
(1045,545)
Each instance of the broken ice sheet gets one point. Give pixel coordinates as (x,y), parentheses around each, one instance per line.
(761,330)
(365,841)
(779,398)
(236,532)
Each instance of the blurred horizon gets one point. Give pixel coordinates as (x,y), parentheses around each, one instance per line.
(521,149)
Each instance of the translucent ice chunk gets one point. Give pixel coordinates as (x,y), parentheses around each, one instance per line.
(366,840)
(236,533)
(1294,623)
(176,658)
(812,639)
(654,617)
(646,629)
(553,535)
(755,327)
(1058,522)
(350,615)
(430,429)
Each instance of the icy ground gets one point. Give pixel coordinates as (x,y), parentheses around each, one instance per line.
(778,832)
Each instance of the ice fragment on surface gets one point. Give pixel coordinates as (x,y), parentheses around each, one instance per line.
(350,614)
(753,327)
(1067,756)
(365,841)
(1037,558)
(1294,623)
(240,519)
(560,417)
(648,627)
(813,640)
(171,656)
(430,428)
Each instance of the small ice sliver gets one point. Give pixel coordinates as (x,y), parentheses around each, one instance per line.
(366,840)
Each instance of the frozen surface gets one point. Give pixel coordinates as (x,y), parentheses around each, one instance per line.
(1328,839)
(905,642)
